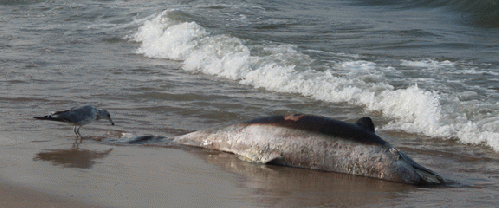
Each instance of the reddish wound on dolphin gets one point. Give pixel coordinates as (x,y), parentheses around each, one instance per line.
(293,117)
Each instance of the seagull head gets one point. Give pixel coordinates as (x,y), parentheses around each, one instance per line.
(105,114)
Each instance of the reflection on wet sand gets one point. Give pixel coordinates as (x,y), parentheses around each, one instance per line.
(286,186)
(72,158)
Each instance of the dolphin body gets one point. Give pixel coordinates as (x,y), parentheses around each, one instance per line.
(315,142)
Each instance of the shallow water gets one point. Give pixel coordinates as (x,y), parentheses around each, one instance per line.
(425,72)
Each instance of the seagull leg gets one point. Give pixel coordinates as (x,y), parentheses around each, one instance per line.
(76,129)
(75,145)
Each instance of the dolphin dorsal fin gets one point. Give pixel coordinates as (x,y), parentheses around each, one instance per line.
(366,123)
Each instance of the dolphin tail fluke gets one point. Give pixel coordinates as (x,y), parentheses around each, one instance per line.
(430,178)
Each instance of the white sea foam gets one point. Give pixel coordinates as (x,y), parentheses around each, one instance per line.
(282,68)
(428,63)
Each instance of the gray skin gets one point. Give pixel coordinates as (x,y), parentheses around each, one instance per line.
(78,117)
(315,142)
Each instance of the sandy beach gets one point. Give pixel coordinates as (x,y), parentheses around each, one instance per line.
(56,174)
(15,196)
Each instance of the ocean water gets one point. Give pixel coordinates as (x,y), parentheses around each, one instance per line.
(426,72)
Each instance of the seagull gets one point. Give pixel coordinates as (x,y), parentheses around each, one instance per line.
(78,117)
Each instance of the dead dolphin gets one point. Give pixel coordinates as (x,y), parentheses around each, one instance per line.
(315,142)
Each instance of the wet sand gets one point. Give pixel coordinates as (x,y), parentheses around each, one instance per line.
(15,196)
(115,176)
